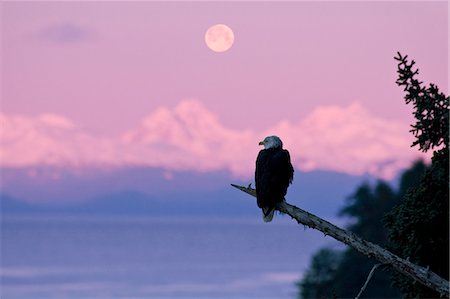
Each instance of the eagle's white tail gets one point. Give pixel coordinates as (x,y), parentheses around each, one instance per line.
(268,214)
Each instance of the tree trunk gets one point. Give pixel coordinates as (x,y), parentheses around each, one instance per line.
(418,273)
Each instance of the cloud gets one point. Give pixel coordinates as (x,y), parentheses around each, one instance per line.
(65,33)
(344,139)
(348,139)
(189,137)
(50,139)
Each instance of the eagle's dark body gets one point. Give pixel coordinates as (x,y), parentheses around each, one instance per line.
(274,173)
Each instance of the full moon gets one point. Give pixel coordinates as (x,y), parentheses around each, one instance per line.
(219,38)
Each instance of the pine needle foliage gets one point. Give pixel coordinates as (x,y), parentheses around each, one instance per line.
(418,228)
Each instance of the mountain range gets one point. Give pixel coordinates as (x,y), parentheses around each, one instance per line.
(157,192)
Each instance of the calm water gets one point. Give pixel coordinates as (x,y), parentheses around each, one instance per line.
(99,257)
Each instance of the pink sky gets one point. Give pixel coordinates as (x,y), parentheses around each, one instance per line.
(117,83)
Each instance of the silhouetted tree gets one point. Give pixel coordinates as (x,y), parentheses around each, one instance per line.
(345,276)
(419,226)
(318,280)
(367,207)
(342,273)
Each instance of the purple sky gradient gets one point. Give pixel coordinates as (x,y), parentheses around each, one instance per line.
(106,67)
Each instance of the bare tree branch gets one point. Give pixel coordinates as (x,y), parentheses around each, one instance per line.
(367,280)
(418,273)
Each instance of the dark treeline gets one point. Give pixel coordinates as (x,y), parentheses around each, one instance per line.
(412,221)
(335,273)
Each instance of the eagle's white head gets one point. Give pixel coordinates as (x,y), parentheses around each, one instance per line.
(272,142)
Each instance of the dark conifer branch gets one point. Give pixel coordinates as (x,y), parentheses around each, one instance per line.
(418,273)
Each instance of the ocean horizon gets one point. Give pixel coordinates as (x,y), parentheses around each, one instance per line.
(92,256)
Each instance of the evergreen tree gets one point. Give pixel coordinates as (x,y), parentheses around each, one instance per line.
(419,226)
(318,280)
(416,228)
(367,207)
(341,274)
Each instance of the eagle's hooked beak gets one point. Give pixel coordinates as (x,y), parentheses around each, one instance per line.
(261,143)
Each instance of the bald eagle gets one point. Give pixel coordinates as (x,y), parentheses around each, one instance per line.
(273,174)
